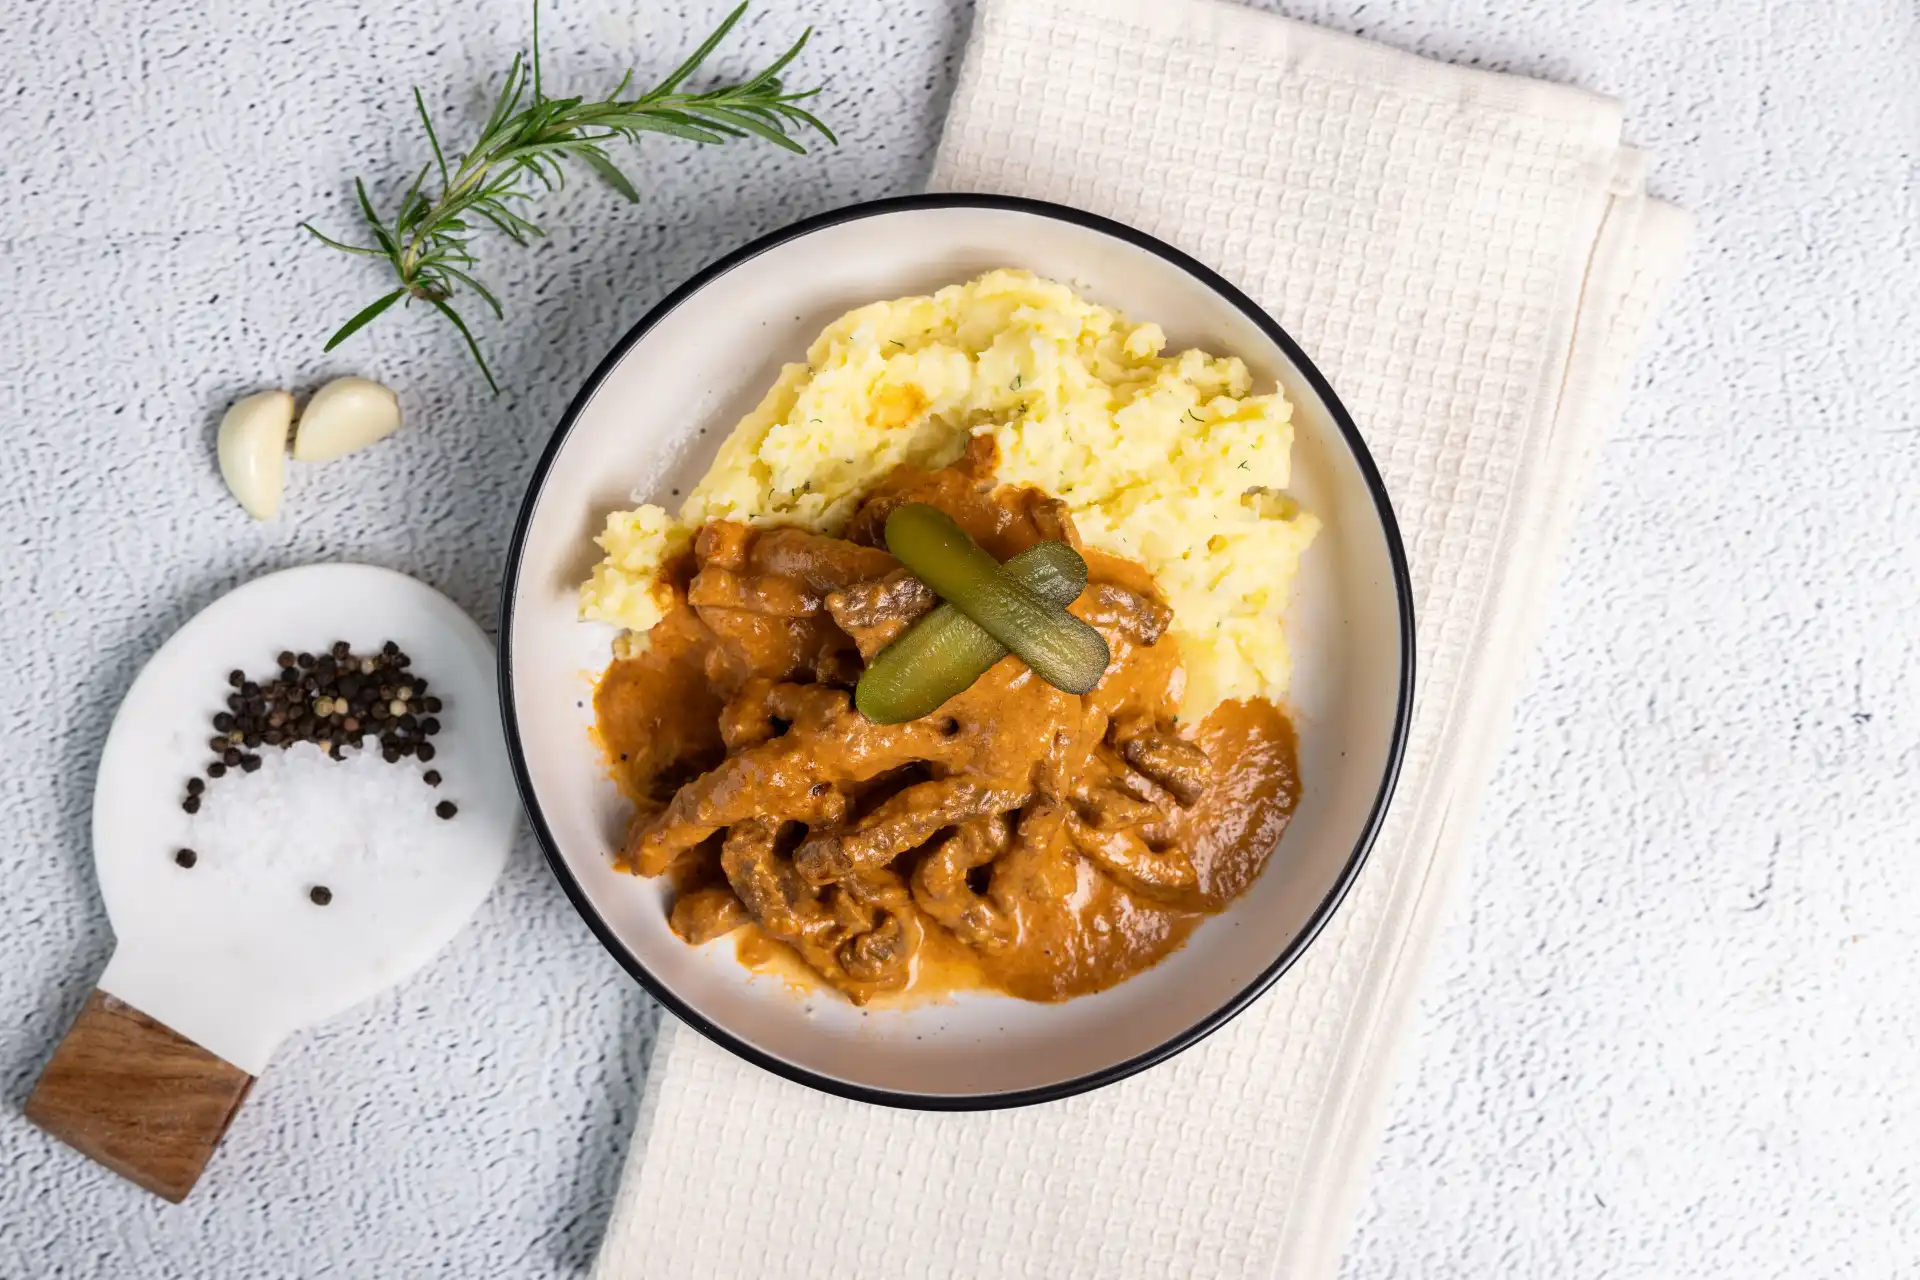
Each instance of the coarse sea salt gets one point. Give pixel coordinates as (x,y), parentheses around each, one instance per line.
(301,816)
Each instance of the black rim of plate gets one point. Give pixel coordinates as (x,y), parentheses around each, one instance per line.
(1205,1026)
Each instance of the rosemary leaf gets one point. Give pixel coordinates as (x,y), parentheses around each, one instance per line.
(610,174)
(439,158)
(698,56)
(340,245)
(367,313)
(486,295)
(440,305)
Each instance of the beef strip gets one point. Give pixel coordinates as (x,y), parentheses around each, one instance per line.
(706,914)
(875,613)
(943,890)
(903,821)
(1173,762)
(1141,619)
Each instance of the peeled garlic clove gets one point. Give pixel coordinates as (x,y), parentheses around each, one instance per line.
(253,451)
(344,415)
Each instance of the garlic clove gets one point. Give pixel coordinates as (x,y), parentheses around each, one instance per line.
(253,451)
(344,415)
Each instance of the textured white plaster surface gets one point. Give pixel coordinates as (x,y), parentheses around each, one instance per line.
(1672,1027)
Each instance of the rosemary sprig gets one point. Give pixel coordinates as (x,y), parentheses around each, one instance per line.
(524,141)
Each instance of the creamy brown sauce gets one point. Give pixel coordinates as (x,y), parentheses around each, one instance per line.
(1020,839)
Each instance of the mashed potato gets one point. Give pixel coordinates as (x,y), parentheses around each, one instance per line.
(1169,460)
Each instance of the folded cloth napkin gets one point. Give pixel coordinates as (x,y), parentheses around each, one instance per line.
(1472,260)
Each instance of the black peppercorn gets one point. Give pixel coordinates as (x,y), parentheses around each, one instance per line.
(320,895)
(186,857)
(341,648)
(445,809)
(230,757)
(425,751)
(250,763)
(195,786)
(191,804)
(429,726)
(431,777)
(236,677)
(432,705)
(217,769)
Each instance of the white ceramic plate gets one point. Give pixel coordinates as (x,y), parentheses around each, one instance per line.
(648,422)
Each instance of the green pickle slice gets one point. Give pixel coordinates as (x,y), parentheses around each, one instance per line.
(989,610)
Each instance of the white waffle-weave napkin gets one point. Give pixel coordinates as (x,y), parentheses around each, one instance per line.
(1472,260)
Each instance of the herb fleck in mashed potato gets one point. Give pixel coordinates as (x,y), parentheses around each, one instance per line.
(1169,460)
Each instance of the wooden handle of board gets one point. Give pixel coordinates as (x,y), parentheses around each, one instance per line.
(140,1098)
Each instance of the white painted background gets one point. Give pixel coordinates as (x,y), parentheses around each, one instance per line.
(1672,1030)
